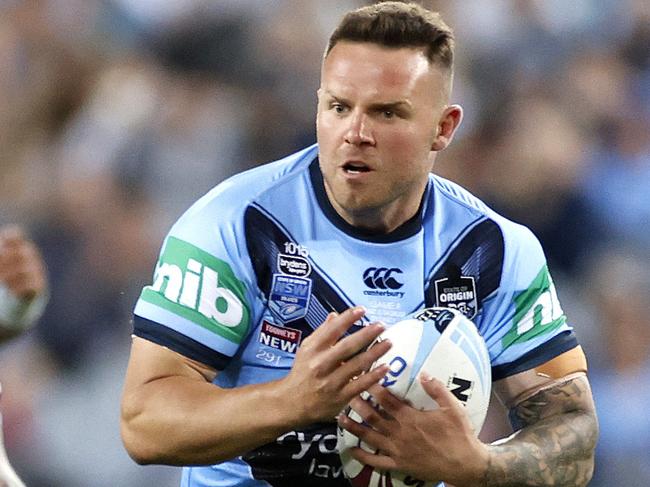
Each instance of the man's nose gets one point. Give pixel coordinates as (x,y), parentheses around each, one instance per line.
(359,130)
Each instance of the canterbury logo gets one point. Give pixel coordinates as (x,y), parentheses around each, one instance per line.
(382,278)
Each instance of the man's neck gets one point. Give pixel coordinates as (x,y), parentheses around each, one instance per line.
(382,220)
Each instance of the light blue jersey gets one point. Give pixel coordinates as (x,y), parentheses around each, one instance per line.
(251,269)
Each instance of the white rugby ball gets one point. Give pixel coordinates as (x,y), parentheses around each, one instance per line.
(446,345)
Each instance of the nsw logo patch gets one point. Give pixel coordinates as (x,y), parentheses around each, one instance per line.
(289,297)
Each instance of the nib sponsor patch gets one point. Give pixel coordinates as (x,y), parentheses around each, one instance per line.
(200,288)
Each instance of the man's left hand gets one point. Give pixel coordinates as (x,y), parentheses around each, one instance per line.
(437,445)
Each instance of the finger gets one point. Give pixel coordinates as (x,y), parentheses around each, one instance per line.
(352,344)
(387,400)
(347,348)
(438,392)
(372,415)
(375,439)
(355,387)
(331,316)
(360,362)
(379,460)
(335,326)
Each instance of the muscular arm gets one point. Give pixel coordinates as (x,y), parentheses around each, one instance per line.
(169,408)
(173,414)
(556,432)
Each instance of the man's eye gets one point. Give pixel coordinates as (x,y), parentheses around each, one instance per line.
(388,114)
(338,108)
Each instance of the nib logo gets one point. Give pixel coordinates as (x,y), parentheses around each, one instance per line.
(197,286)
(382,278)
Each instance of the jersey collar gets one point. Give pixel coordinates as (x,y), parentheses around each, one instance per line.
(404,231)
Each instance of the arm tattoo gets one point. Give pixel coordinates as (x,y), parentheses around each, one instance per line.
(555,442)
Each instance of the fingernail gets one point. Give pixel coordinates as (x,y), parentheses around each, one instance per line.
(380,325)
(385,340)
(424,377)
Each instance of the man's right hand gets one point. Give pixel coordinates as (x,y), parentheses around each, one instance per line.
(169,401)
(329,371)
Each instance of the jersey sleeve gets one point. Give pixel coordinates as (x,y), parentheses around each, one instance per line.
(524,325)
(199,303)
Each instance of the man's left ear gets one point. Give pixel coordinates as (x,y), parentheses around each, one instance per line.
(449,122)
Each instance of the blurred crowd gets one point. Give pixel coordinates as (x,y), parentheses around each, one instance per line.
(115,115)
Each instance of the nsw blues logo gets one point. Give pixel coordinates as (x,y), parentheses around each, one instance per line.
(289,297)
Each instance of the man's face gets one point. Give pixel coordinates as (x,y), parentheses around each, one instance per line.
(379,111)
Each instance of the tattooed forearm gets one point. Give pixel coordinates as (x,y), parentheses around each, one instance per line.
(555,442)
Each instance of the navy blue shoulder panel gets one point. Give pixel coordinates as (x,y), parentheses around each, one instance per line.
(156,333)
(479,255)
(265,239)
(557,345)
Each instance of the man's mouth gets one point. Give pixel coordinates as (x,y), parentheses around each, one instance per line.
(355,167)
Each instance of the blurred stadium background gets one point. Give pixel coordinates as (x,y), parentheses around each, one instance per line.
(116,114)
